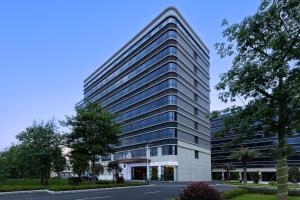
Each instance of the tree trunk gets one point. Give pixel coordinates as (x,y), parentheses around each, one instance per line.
(282,167)
(244,172)
(93,172)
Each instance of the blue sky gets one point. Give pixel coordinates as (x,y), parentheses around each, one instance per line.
(47,49)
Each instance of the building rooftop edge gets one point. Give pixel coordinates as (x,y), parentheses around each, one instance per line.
(168,13)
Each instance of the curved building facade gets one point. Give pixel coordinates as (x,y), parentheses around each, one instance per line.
(158,87)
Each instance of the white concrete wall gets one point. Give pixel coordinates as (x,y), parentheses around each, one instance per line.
(190,168)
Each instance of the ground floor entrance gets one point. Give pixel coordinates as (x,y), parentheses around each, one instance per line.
(139,173)
(160,173)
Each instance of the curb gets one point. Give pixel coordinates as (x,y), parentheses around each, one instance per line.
(71,191)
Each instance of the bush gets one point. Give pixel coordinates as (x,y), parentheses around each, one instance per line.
(235,176)
(273,183)
(255,177)
(120,179)
(233,193)
(200,191)
(103,182)
(74,180)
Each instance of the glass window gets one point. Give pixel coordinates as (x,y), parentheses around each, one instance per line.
(196,111)
(153,151)
(138,153)
(195,55)
(196,139)
(197,154)
(196,125)
(169,150)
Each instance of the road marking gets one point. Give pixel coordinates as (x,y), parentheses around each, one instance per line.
(152,192)
(95,198)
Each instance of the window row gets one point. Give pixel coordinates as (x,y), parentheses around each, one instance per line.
(149,137)
(164,117)
(169,150)
(134,73)
(139,153)
(129,51)
(137,84)
(134,59)
(167,100)
(191,39)
(170,83)
(142,153)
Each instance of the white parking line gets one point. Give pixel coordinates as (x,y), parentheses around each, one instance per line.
(152,192)
(95,198)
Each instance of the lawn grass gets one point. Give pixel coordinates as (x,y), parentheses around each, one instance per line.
(260,197)
(57,185)
(258,184)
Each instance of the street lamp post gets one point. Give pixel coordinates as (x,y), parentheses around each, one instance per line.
(147,160)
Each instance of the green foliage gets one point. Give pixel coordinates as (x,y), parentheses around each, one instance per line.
(265,72)
(80,161)
(114,168)
(93,132)
(57,185)
(235,176)
(255,177)
(273,183)
(259,197)
(245,155)
(233,193)
(294,174)
(15,162)
(42,145)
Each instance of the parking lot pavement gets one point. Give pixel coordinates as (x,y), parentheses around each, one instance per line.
(159,191)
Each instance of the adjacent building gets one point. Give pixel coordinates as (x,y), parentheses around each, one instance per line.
(158,86)
(265,164)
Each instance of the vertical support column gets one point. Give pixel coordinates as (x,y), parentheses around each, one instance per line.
(241,175)
(159,172)
(260,175)
(148,164)
(223,177)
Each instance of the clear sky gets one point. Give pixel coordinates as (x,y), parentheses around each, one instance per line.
(47,49)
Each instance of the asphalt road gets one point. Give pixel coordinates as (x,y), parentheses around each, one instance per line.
(160,191)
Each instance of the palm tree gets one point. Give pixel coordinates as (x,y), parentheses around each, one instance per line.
(245,155)
(228,167)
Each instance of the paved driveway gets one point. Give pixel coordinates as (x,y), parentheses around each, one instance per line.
(159,191)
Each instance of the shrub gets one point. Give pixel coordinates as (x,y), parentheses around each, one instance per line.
(103,182)
(235,176)
(255,177)
(273,183)
(233,193)
(74,180)
(120,179)
(200,191)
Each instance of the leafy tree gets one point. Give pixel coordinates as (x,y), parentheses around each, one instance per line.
(42,144)
(245,155)
(17,162)
(93,132)
(294,174)
(265,72)
(79,162)
(114,168)
(99,168)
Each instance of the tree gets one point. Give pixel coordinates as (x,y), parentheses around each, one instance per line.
(294,174)
(245,155)
(114,168)
(265,72)
(93,132)
(228,167)
(79,162)
(99,168)
(42,144)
